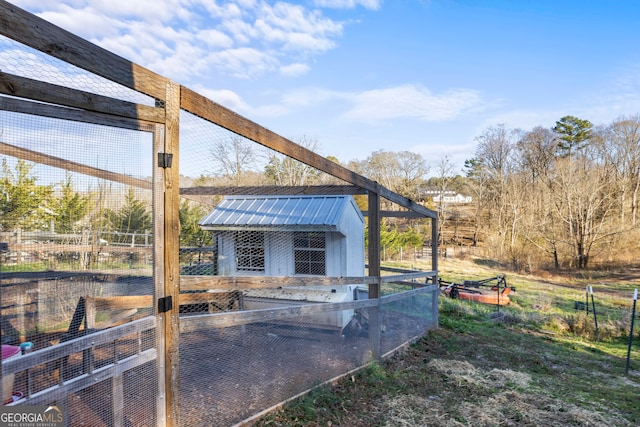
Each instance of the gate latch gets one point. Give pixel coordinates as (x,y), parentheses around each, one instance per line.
(165,304)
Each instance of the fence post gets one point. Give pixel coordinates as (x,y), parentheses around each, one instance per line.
(586,294)
(374,271)
(595,316)
(171,245)
(633,318)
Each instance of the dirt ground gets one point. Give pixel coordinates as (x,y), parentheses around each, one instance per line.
(225,376)
(232,375)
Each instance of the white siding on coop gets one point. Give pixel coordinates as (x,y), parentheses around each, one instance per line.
(338,217)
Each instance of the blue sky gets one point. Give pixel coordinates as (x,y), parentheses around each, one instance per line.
(426,76)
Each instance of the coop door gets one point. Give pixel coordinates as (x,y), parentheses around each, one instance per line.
(80,264)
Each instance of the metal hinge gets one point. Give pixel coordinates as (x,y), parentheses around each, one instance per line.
(165,304)
(164,160)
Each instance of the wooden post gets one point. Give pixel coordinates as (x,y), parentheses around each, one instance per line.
(374,242)
(434,267)
(171,252)
(21,303)
(434,247)
(374,271)
(18,243)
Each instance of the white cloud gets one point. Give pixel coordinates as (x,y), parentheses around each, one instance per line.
(227,11)
(349,4)
(294,70)
(214,38)
(296,19)
(225,97)
(233,101)
(307,42)
(148,10)
(86,22)
(244,39)
(244,63)
(40,5)
(412,101)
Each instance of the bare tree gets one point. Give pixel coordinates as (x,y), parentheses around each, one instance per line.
(495,153)
(234,158)
(401,172)
(536,152)
(620,147)
(584,203)
(284,170)
(444,177)
(411,173)
(495,149)
(477,183)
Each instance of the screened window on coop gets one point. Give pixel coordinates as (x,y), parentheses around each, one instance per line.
(250,251)
(309,253)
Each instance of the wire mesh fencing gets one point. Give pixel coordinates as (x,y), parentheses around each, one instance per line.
(274,270)
(77,259)
(271,286)
(282,352)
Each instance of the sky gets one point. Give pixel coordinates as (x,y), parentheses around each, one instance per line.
(358,76)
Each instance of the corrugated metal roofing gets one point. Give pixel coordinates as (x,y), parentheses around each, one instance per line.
(319,213)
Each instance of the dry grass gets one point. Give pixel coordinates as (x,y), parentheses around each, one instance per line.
(515,404)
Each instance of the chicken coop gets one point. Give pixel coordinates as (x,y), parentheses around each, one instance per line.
(308,235)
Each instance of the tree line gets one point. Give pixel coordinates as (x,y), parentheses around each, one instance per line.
(560,196)
(548,197)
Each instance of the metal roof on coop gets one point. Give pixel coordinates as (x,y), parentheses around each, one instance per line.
(294,213)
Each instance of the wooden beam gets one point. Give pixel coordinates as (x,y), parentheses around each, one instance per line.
(67,348)
(224,320)
(397,214)
(374,243)
(125,302)
(120,302)
(158,276)
(407,203)
(103,373)
(35,32)
(171,244)
(61,248)
(72,114)
(268,190)
(373,206)
(201,283)
(434,247)
(23,87)
(408,276)
(57,162)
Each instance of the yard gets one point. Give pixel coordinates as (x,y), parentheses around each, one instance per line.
(535,363)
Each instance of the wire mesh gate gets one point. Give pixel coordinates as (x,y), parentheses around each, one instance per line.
(79,267)
(144,305)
